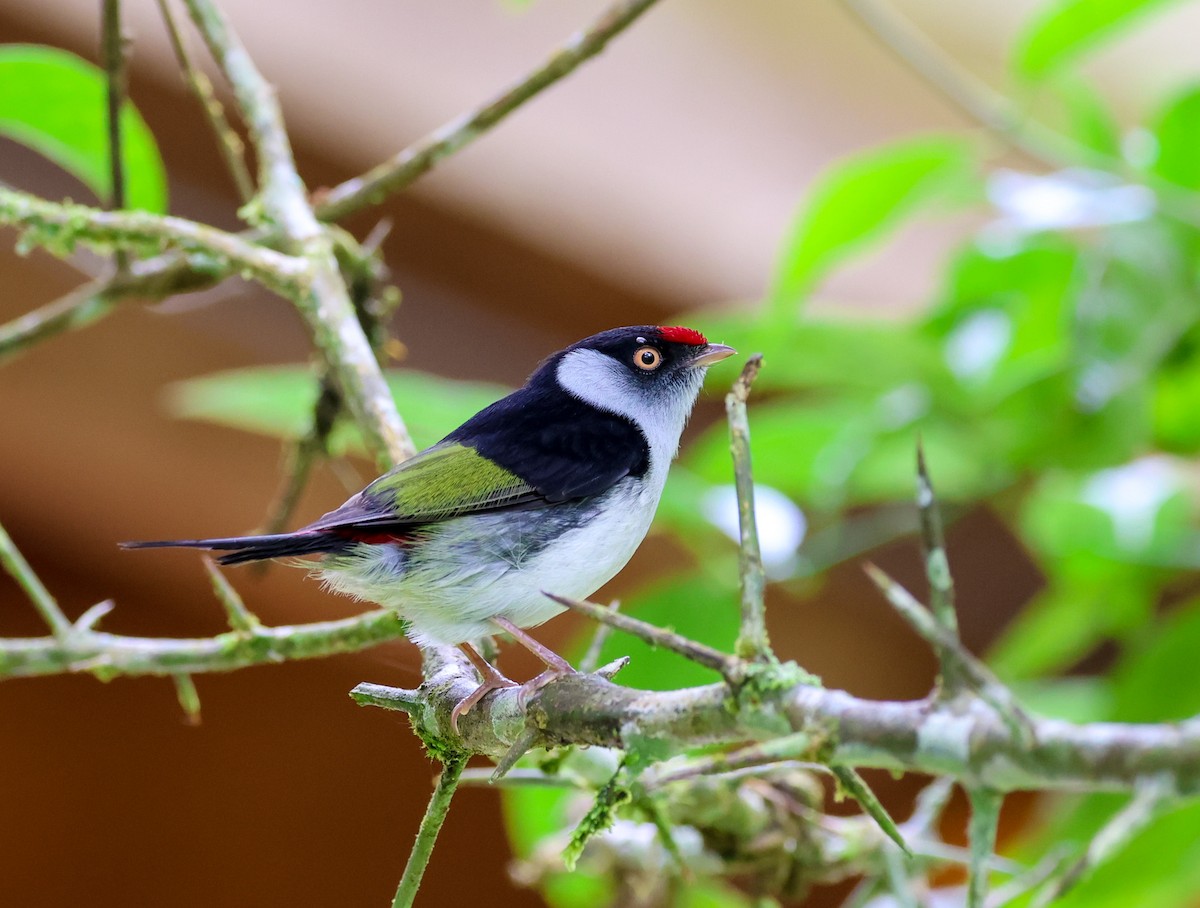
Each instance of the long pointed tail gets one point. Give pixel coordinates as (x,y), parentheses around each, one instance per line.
(242,549)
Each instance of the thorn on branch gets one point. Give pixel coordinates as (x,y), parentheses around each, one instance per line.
(853,784)
(519,748)
(973,672)
(92,617)
(189,697)
(592,657)
(937,570)
(609,670)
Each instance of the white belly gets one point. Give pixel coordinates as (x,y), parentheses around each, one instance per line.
(473,569)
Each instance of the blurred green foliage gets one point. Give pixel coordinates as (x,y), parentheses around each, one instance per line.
(54,102)
(1054,378)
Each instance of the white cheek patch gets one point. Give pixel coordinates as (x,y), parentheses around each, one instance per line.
(660,412)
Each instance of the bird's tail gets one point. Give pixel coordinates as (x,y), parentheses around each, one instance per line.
(241,549)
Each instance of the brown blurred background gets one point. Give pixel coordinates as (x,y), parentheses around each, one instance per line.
(658,178)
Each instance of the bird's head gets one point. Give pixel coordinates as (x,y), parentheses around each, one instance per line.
(648,374)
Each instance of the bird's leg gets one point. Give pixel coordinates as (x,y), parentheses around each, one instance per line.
(556,665)
(490,680)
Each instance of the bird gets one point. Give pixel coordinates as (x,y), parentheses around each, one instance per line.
(550,489)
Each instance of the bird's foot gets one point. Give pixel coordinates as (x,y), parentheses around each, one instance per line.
(490,679)
(556,666)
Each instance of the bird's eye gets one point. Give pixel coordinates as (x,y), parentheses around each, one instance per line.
(647,359)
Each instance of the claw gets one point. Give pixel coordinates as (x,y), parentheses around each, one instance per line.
(490,680)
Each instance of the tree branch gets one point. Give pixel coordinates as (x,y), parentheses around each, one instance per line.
(404,168)
(233,152)
(752,642)
(60,227)
(80,649)
(326,306)
(968,741)
(18,568)
(431,825)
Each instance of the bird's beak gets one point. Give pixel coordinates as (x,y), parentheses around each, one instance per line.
(712,353)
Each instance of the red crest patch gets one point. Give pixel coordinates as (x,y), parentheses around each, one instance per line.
(677,334)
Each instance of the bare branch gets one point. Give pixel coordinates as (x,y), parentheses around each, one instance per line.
(18,568)
(112,53)
(657,636)
(239,617)
(400,171)
(111,655)
(966,740)
(752,642)
(233,151)
(59,227)
(326,306)
(981,832)
(999,115)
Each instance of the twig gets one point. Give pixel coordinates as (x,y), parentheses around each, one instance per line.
(1148,799)
(800,746)
(996,113)
(981,832)
(233,151)
(752,642)
(367,694)
(937,570)
(973,672)
(591,658)
(656,636)
(326,305)
(112,52)
(111,655)
(431,825)
(239,617)
(401,170)
(144,279)
(58,227)
(521,778)
(931,801)
(18,568)
(301,454)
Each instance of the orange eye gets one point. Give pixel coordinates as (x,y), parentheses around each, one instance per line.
(647,359)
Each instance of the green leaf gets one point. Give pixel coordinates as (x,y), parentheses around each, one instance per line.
(858,202)
(1159,867)
(825,353)
(1158,681)
(1089,599)
(1178,133)
(1068,28)
(279,400)
(55,103)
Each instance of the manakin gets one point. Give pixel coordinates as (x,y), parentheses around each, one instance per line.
(552,488)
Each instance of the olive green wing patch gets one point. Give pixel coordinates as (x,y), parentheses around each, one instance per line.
(445,481)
